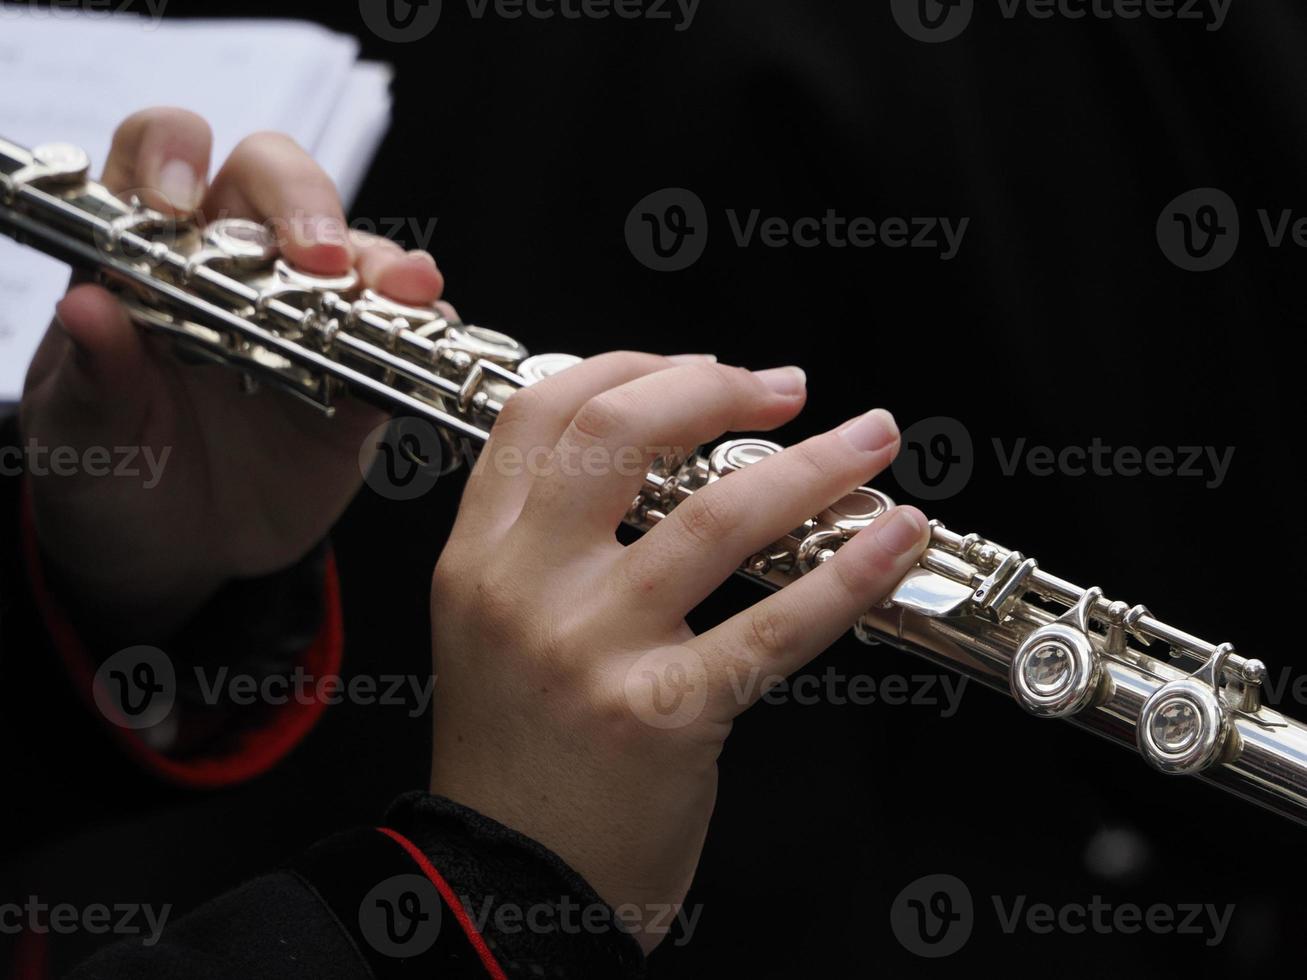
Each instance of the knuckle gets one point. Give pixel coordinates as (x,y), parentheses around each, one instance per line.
(706,374)
(603,416)
(770,629)
(370,242)
(865,573)
(610,705)
(490,598)
(630,359)
(707,518)
(735,378)
(522,406)
(616,717)
(820,466)
(626,363)
(446,577)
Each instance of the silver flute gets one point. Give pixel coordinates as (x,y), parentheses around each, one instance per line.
(224,294)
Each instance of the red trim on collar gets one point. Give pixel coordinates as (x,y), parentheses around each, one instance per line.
(256,751)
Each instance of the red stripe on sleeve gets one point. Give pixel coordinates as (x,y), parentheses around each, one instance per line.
(469,929)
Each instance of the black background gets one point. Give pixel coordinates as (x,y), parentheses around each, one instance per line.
(1059,321)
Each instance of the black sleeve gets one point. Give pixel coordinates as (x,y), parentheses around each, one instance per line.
(439,891)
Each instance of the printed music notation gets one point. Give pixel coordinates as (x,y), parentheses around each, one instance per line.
(71,76)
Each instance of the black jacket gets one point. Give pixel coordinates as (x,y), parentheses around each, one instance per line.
(113,833)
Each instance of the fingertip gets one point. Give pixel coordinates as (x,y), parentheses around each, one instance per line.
(789,382)
(318,258)
(411,278)
(319,244)
(904,530)
(103,337)
(89,313)
(920,519)
(162,156)
(771,397)
(421,259)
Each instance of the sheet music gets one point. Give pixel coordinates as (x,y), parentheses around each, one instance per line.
(72,77)
(359,122)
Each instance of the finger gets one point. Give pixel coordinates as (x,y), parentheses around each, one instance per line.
(269,178)
(161,155)
(530,425)
(408,277)
(706,537)
(603,456)
(98,381)
(786,630)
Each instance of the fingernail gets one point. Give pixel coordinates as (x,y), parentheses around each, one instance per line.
(784,381)
(426,257)
(692,358)
(180,185)
(901,532)
(872,432)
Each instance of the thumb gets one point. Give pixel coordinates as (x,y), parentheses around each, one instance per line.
(103,383)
